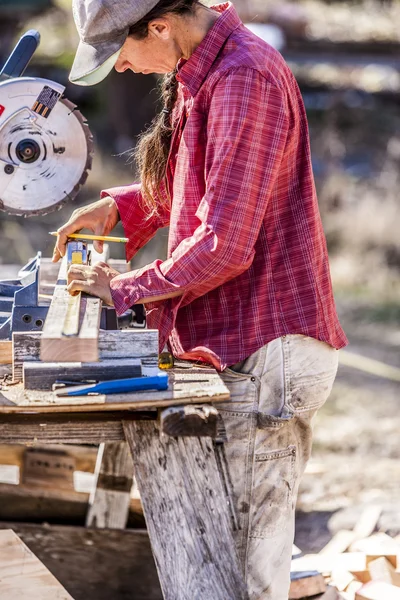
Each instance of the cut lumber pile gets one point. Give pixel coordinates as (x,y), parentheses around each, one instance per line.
(356,564)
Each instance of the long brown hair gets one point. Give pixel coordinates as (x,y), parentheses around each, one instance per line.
(152,149)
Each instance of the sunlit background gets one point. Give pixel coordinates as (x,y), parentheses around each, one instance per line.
(346,58)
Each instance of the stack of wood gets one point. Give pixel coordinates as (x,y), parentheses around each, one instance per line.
(356,564)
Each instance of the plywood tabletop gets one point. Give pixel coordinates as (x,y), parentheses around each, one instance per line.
(23,575)
(187,385)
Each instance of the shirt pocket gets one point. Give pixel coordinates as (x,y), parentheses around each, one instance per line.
(272,493)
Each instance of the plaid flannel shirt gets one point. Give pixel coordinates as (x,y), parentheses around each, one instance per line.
(246,246)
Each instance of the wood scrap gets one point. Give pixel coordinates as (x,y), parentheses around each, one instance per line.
(23,575)
(378,590)
(382,570)
(84,457)
(304,584)
(48,468)
(5,352)
(110,497)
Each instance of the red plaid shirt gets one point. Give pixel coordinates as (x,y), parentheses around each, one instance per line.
(246,244)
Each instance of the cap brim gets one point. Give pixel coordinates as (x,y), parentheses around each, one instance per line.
(93,62)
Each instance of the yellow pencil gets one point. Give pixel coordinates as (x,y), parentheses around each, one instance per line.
(89,236)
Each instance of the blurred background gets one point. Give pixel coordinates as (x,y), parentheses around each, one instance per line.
(346,58)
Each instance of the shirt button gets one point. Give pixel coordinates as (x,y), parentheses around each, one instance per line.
(253,379)
(126,300)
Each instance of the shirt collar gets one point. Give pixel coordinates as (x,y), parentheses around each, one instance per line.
(193,71)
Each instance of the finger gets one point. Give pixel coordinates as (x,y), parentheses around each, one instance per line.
(77,272)
(77,286)
(56,255)
(74,225)
(97,244)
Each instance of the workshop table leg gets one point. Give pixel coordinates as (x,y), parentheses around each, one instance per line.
(187,515)
(110,499)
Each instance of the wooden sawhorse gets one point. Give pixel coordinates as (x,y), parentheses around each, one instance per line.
(188,517)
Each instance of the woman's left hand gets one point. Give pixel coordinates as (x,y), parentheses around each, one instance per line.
(93,280)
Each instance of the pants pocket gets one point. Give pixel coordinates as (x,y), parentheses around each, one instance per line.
(272,494)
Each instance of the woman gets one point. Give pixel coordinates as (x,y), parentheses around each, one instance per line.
(246,286)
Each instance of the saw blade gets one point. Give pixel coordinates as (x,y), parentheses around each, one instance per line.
(45,147)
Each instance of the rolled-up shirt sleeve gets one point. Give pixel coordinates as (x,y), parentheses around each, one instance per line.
(138,226)
(247,130)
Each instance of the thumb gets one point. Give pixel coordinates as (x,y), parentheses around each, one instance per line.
(97,244)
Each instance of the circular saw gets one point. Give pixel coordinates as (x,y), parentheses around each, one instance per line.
(45,144)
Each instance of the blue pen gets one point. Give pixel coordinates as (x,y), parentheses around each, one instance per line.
(118,386)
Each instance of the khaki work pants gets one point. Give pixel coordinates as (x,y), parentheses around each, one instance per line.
(274,395)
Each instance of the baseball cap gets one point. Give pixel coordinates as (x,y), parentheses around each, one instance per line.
(103,26)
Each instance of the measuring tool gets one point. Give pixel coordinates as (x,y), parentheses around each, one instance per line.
(77,254)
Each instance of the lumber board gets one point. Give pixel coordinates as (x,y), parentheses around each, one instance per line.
(42,376)
(186,386)
(83,456)
(378,590)
(129,343)
(54,345)
(6,353)
(110,499)
(23,575)
(95,564)
(67,428)
(354,562)
(186,514)
(381,569)
(48,468)
(304,584)
(53,505)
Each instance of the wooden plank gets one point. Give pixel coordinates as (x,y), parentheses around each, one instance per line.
(93,428)
(129,343)
(48,468)
(110,499)
(53,505)
(304,584)
(42,376)
(6,352)
(363,528)
(84,456)
(54,345)
(23,575)
(378,590)
(381,569)
(95,564)
(186,514)
(186,386)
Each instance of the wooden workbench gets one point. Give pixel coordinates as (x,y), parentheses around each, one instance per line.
(185,505)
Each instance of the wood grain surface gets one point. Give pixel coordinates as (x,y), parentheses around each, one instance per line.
(129,343)
(186,386)
(23,575)
(110,499)
(54,345)
(186,515)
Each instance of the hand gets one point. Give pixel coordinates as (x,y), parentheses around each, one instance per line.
(94,280)
(100,217)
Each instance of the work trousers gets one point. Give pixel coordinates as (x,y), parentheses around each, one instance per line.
(275,394)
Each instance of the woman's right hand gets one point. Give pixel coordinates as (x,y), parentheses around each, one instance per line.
(100,217)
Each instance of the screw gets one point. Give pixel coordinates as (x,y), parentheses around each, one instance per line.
(8,169)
